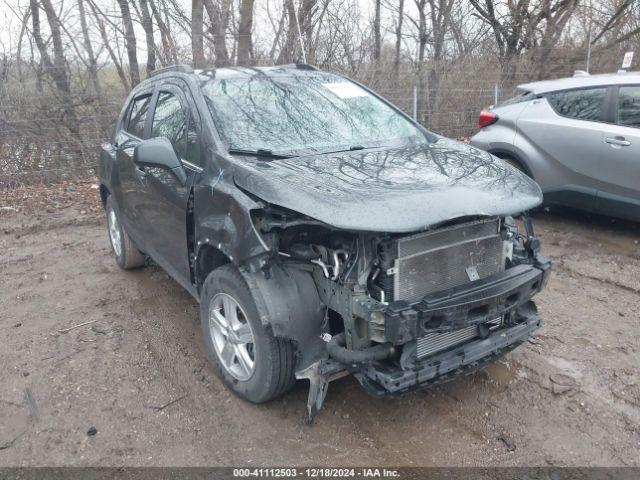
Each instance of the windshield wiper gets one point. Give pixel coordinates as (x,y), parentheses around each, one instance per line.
(259,152)
(352,148)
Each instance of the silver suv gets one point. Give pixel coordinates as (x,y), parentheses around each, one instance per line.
(578,137)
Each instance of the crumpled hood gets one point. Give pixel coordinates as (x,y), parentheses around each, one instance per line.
(400,189)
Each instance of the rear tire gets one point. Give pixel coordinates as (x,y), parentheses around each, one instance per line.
(251,362)
(126,253)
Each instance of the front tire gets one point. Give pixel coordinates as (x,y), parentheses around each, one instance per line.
(247,357)
(126,253)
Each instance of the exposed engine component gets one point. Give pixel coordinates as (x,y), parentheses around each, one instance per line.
(331,260)
(337,349)
(416,265)
(398,304)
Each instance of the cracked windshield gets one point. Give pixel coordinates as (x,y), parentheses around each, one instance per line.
(295,113)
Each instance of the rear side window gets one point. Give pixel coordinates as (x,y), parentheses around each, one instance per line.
(582,104)
(523,97)
(170,121)
(138,115)
(629,106)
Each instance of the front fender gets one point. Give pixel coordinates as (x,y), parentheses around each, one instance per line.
(290,306)
(223,220)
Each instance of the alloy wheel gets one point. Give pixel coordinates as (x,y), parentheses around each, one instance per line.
(114,232)
(232,336)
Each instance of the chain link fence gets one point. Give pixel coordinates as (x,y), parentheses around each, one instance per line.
(39,143)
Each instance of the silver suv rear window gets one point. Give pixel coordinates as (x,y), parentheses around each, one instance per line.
(581,104)
(523,97)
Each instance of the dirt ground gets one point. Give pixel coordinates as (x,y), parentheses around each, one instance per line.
(140,377)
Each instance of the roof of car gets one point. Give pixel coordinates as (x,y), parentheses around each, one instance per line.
(581,81)
(273,71)
(234,72)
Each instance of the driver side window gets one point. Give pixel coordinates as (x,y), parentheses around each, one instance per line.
(170,121)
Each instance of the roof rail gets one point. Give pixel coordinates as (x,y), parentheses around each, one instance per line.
(580,73)
(299,66)
(305,66)
(182,68)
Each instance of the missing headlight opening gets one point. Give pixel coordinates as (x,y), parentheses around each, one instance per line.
(401,311)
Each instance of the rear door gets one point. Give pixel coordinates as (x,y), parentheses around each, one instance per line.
(166,198)
(567,128)
(621,153)
(134,129)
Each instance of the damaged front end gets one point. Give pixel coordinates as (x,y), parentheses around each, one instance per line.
(403,311)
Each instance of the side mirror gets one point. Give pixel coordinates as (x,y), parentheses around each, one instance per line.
(158,152)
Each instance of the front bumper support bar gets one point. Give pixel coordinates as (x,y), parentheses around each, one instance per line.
(475,303)
(381,379)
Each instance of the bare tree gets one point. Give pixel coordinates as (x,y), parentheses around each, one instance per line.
(626,11)
(147,24)
(521,25)
(23,28)
(107,41)
(440,15)
(245,26)
(422,38)
(170,54)
(510,30)
(396,60)
(377,35)
(288,50)
(219,22)
(197,29)
(555,19)
(56,68)
(130,40)
(92,65)
(307,20)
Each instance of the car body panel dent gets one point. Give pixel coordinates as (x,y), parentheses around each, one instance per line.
(294,311)
(400,189)
(222,218)
(310,236)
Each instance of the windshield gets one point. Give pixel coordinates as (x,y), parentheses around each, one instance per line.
(320,112)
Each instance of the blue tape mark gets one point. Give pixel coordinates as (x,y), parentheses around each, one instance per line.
(220,175)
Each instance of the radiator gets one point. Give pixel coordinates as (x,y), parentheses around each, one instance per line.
(437,342)
(446,258)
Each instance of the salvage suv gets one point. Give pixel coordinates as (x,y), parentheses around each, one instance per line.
(322,231)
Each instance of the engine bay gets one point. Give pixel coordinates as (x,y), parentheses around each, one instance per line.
(395,290)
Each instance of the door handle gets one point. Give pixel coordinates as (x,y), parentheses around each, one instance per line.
(617,141)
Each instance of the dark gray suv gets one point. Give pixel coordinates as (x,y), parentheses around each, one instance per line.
(578,137)
(322,231)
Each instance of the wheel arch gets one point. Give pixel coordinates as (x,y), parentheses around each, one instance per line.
(292,308)
(104,194)
(207,259)
(503,153)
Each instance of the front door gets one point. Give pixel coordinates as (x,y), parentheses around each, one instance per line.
(621,153)
(166,198)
